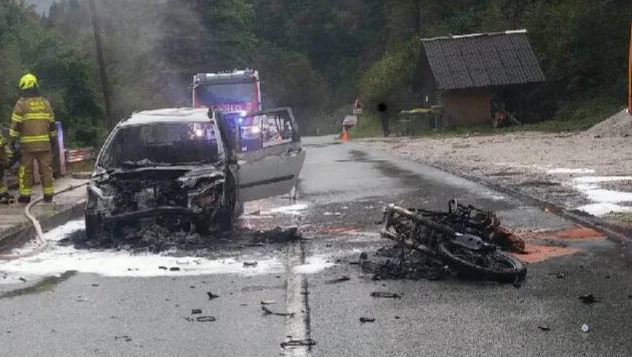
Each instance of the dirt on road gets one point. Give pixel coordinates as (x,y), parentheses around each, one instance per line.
(590,171)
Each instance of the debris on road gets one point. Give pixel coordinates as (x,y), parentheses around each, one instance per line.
(588,299)
(162,268)
(196,311)
(339,280)
(270,312)
(380,294)
(278,235)
(211,296)
(404,263)
(585,328)
(544,328)
(174,269)
(297,343)
(250,264)
(205,318)
(367,319)
(126,338)
(268,302)
(467,239)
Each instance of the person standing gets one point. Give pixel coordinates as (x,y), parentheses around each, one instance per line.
(384,116)
(33,124)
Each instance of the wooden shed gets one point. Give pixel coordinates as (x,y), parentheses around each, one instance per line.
(459,73)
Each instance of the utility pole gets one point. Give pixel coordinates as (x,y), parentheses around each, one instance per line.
(102,72)
(630,70)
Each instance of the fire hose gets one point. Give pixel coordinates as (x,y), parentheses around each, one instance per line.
(41,241)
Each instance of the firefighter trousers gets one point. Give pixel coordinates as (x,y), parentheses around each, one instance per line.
(3,186)
(45,166)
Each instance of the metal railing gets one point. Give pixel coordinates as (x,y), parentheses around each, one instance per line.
(79,155)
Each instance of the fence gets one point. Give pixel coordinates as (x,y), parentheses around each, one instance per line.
(80,155)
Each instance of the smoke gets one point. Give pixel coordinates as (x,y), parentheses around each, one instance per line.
(152,49)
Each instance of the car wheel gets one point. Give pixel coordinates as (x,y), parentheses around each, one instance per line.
(227,216)
(94,227)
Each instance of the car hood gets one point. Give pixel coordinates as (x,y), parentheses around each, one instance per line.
(187,175)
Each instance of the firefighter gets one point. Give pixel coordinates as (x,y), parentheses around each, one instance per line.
(33,123)
(5,164)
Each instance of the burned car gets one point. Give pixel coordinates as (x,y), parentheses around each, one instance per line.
(181,168)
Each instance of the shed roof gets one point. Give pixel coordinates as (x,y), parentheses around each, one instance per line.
(482,60)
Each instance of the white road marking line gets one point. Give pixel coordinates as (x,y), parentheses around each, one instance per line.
(297,326)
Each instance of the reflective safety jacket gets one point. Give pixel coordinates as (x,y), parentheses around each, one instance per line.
(33,122)
(3,154)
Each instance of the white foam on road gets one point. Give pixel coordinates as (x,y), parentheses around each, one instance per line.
(603,201)
(570,171)
(313,264)
(602,209)
(58,259)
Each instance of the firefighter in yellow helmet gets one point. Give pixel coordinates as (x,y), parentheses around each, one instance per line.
(33,125)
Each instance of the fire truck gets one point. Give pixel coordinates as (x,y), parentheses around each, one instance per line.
(237,94)
(229,91)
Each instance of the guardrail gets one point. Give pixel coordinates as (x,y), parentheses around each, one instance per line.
(79,155)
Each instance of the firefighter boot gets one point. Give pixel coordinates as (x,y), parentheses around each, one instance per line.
(6,199)
(24,199)
(48,198)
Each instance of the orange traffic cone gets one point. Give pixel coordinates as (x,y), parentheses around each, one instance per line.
(345,135)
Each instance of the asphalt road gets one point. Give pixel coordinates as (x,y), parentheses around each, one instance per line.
(122,305)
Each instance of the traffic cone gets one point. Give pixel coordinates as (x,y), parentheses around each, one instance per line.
(345,135)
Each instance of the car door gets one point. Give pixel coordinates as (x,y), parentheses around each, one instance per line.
(270,155)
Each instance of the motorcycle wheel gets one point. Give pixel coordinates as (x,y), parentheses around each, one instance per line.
(497,265)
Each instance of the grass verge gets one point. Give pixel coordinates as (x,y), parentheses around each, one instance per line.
(570,117)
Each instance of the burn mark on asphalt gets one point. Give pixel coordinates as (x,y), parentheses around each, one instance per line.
(46,284)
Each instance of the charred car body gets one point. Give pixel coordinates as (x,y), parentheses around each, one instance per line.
(182,168)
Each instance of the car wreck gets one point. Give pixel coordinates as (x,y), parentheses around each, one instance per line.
(183,169)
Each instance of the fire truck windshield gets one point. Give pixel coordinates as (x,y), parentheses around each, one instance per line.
(232,93)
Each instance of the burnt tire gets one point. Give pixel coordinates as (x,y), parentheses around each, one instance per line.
(506,268)
(94,227)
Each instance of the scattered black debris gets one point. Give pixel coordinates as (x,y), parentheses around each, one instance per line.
(270,312)
(404,264)
(174,269)
(295,343)
(588,299)
(364,256)
(95,285)
(544,328)
(268,302)
(189,319)
(367,319)
(211,296)
(126,338)
(561,276)
(250,264)
(607,276)
(278,235)
(162,267)
(22,279)
(192,287)
(196,311)
(381,294)
(339,280)
(206,319)
(396,317)
(630,296)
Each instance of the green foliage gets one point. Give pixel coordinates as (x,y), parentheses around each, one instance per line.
(314,56)
(385,79)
